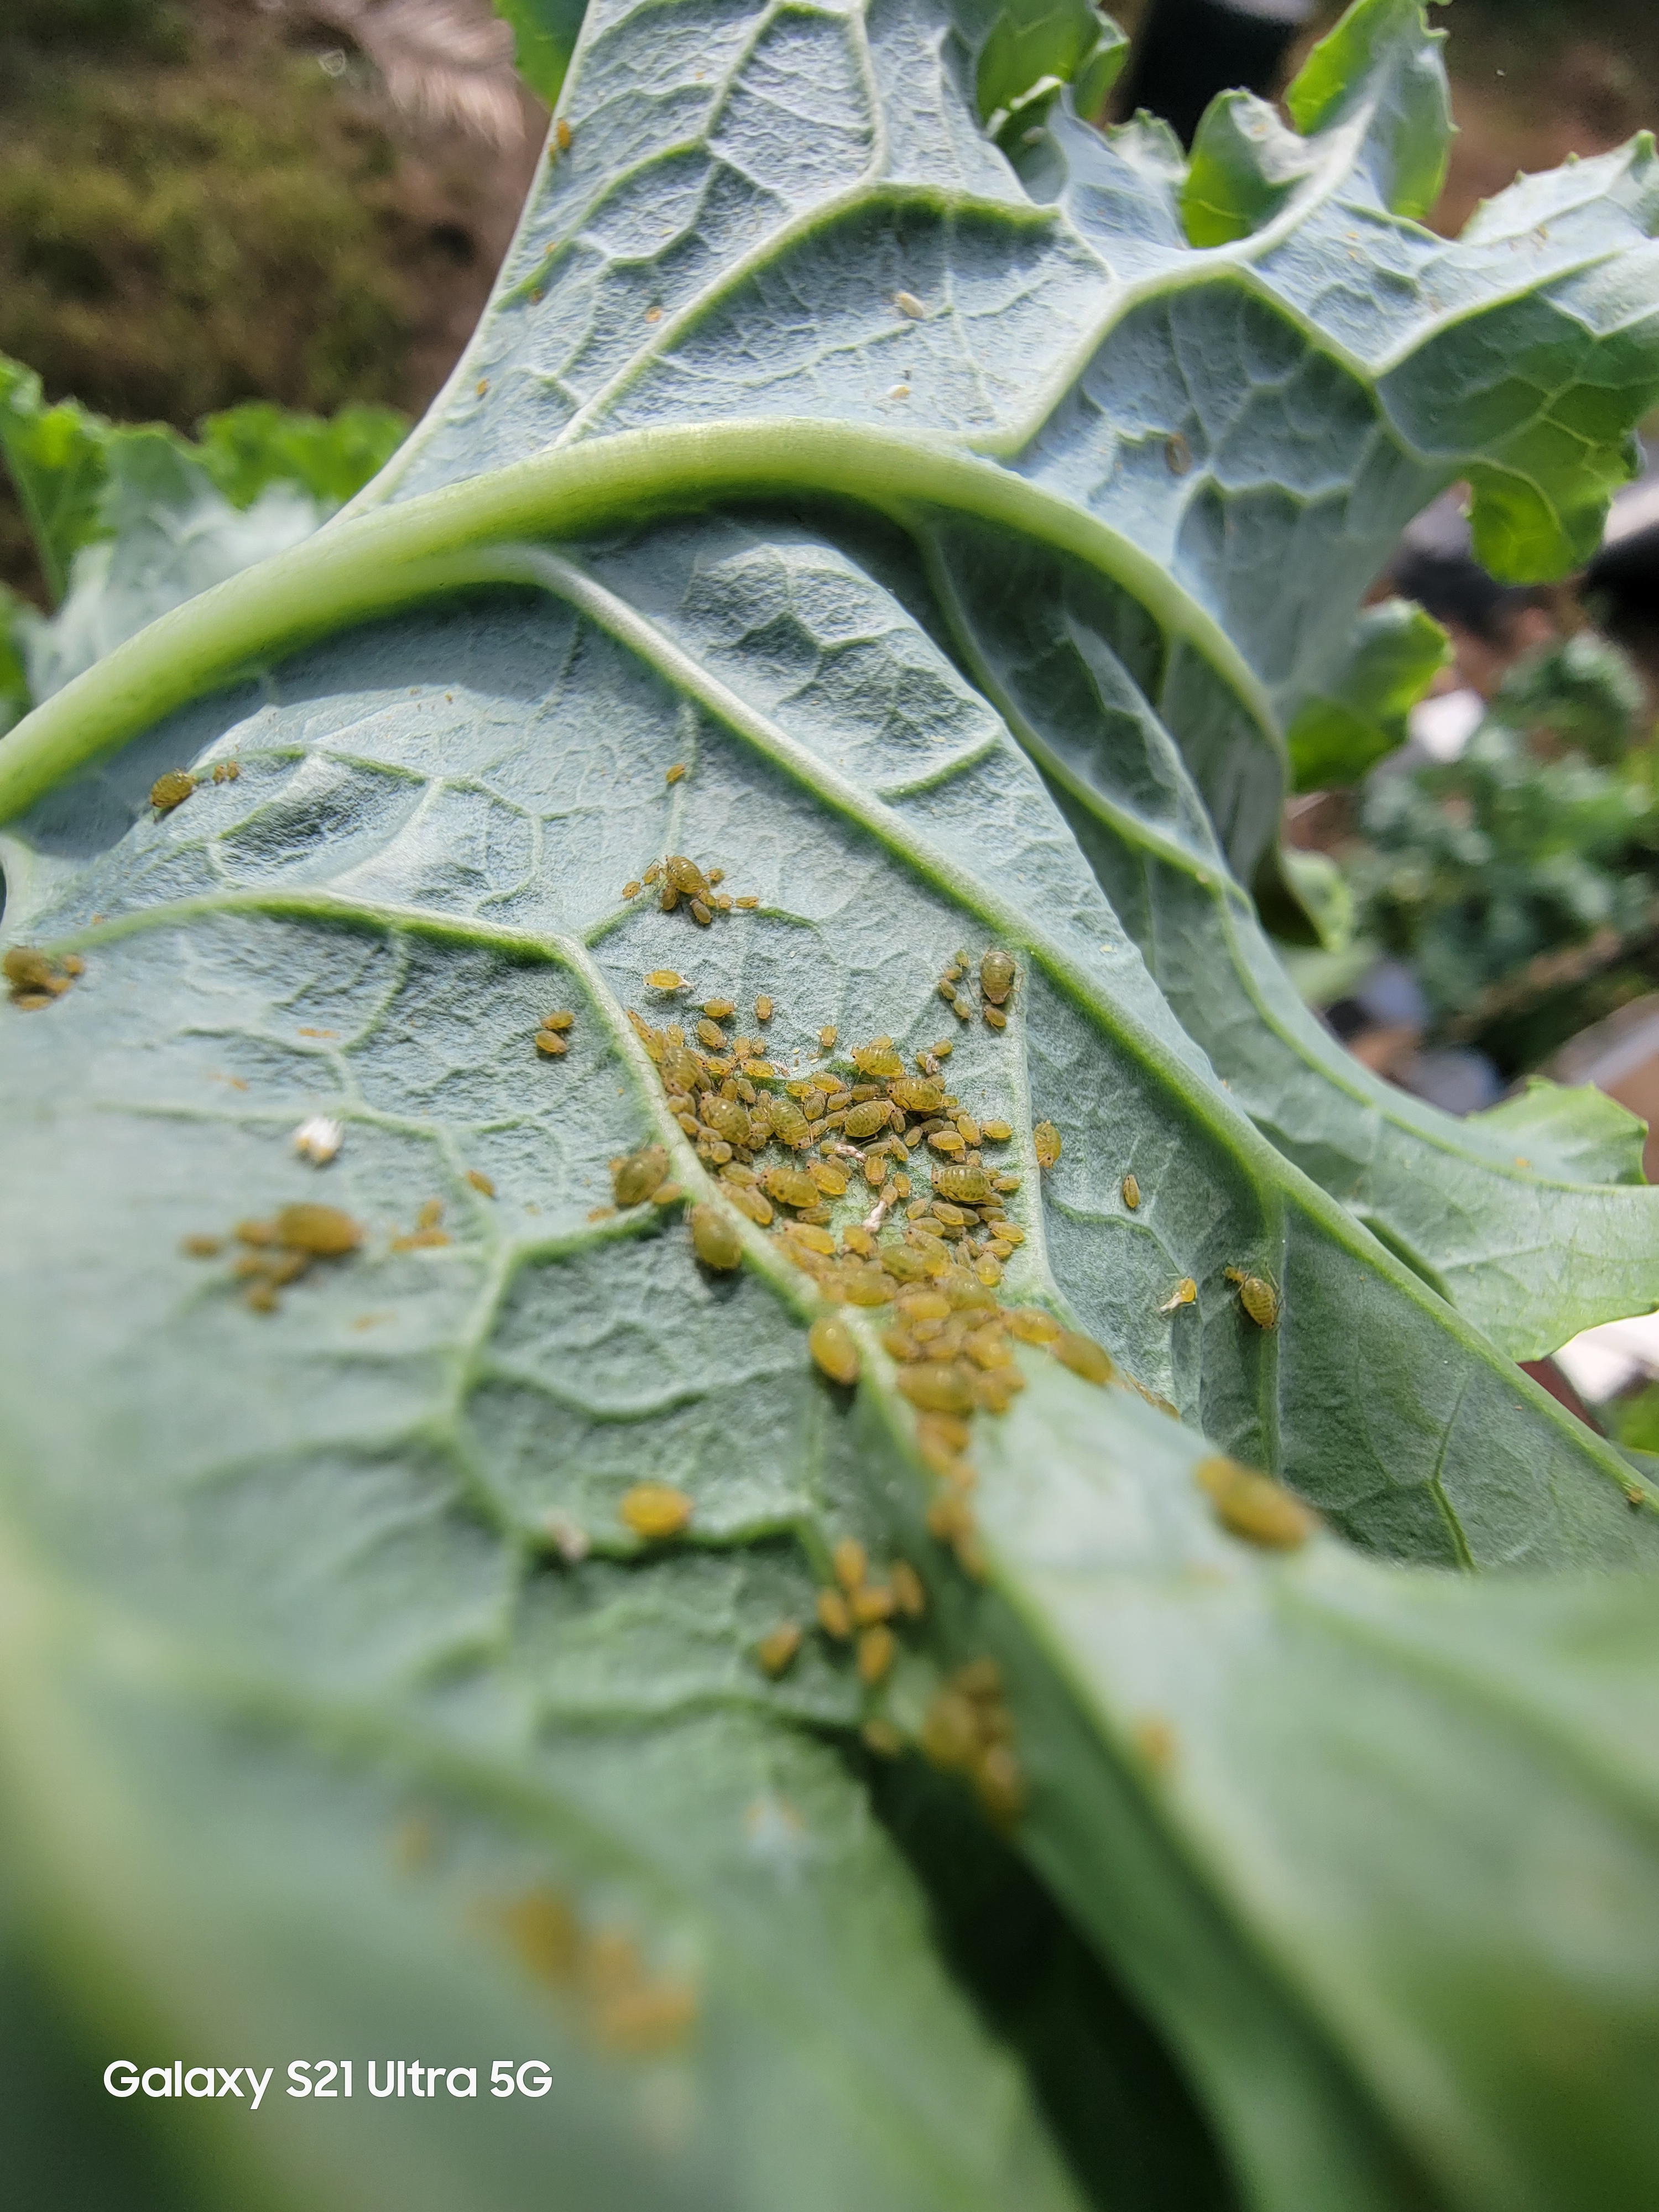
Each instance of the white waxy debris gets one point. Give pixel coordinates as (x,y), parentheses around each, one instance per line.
(319,1139)
(569,1540)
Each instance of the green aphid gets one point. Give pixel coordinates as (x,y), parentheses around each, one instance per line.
(996,976)
(715,1238)
(634,1179)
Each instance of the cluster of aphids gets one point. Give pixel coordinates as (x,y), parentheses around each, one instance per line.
(277,1252)
(997,977)
(677,877)
(35,979)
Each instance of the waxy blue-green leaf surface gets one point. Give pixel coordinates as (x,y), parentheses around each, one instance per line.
(328,1649)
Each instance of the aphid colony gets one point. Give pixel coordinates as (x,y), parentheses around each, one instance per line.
(677,879)
(284,1249)
(35,979)
(997,978)
(621,2004)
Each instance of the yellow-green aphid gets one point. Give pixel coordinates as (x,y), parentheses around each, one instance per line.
(728,1118)
(864,1121)
(700,913)
(762,1008)
(916,1095)
(674,773)
(711,1034)
(714,1237)
(685,876)
(561,1020)
(1045,1142)
(909,306)
(634,1179)
(878,1059)
(1131,1193)
(1257,1296)
(851,1563)
(827,1037)
(552,1043)
(790,1187)
(171,790)
(961,1185)
(1083,1356)
(996,976)
(656,1510)
(630,889)
(776,1650)
(323,1230)
(830,1343)
(835,1618)
(995,1132)
(908,1595)
(1254,1506)
(718,1010)
(652,873)
(562,138)
(876,1652)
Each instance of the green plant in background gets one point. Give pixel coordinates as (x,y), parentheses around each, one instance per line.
(1509,875)
(706,1377)
(129,522)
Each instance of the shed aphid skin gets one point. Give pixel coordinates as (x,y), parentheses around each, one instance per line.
(909,306)
(171,790)
(1250,1504)
(1185,1293)
(1257,1296)
(1131,1193)
(1177,454)
(656,1510)
(716,1237)
(640,1176)
(319,1139)
(776,1650)
(1045,1143)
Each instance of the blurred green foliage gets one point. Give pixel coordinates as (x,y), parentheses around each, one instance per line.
(1521,880)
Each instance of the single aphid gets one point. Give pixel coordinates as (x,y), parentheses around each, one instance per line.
(830,1179)
(1254,1506)
(870,1602)
(665,979)
(917,1094)
(727,1117)
(830,1343)
(718,1010)
(1083,1356)
(746,904)
(701,914)
(674,773)
(1045,1142)
(637,1177)
(561,135)
(776,1650)
(711,1034)
(1032,1325)
(864,1121)
(962,1008)
(790,1187)
(1256,1295)
(827,1037)
(948,1141)
(1184,1294)
(810,1236)
(668,898)
(878,1059)
(319,1139)
(996,976)
(171,790)
(994,1017)
(750,1202)
(631,890)
(958,1184)
(879,1734)
(561,1019)
(1131,1193)
(967,1128)
(202,1248)
(995,1132)
(552,1043)
(851,1563)
(715,1238)
(481,1182)
(909,306)
(762,1008)
(685,875)
(999,1784)
(947,989)
(938,1386)
(323,1230)
(716,875)
(1177,454)
(652,873)
(654,1510)
(834,1617)
(908,1595)
(876,1651)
